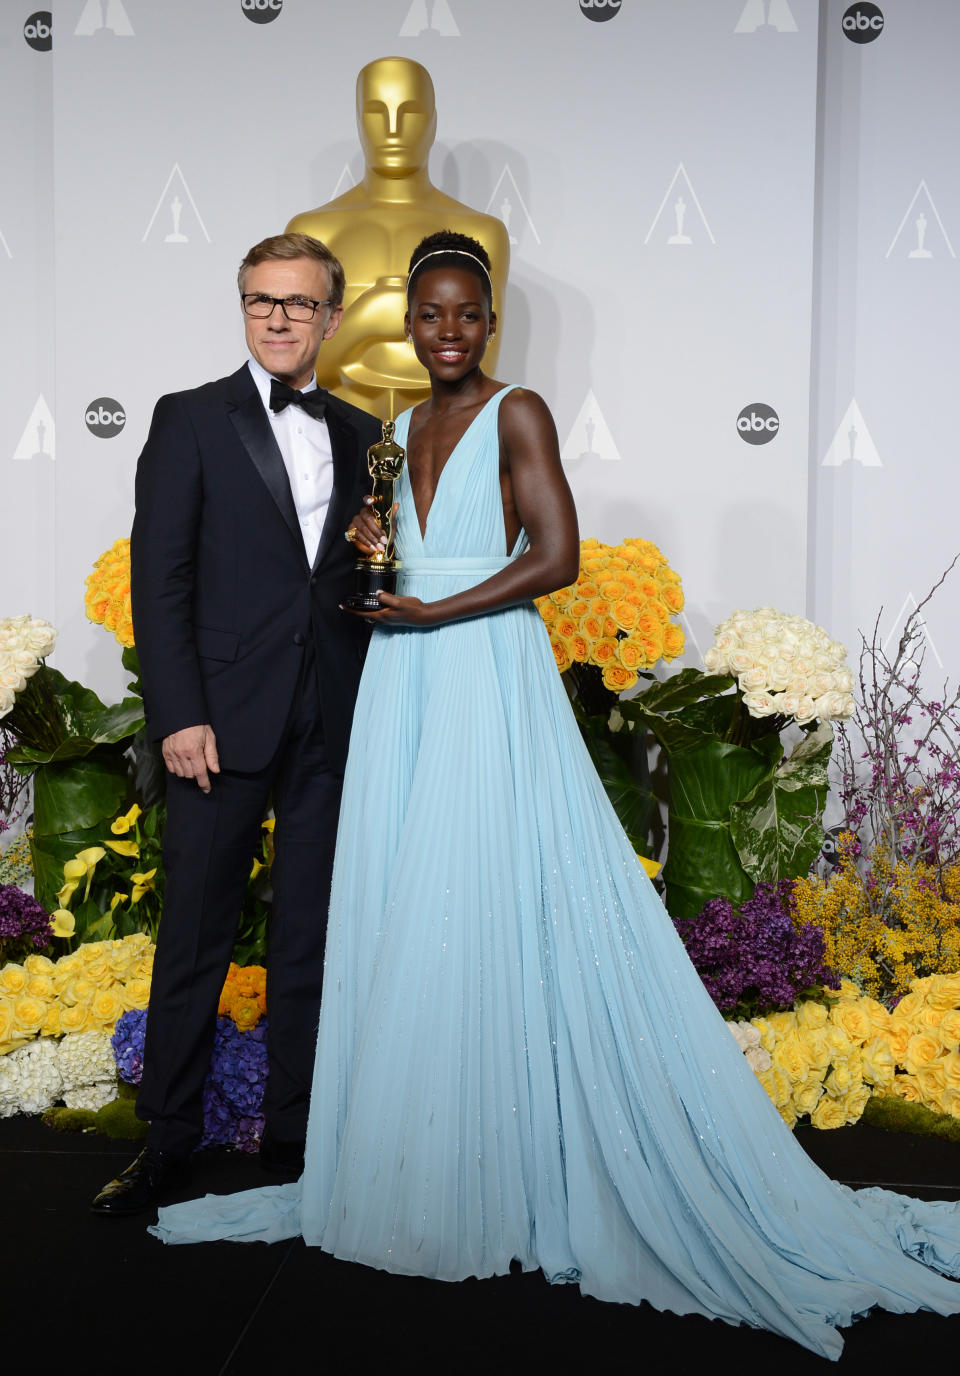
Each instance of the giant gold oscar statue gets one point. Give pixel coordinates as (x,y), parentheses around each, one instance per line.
(375,226)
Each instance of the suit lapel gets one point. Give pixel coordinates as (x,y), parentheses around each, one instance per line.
(251,424)
(346,465)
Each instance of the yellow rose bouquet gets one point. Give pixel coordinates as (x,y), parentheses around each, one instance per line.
(107,600)
(827,1061)
(616,620)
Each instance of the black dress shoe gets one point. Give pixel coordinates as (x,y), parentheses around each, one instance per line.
(142,1185)
(281,1158)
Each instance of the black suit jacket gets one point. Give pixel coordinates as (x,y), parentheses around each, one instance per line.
(223,597)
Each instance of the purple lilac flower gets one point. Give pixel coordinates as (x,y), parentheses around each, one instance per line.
(24,924)
(755,959)
(233,1091)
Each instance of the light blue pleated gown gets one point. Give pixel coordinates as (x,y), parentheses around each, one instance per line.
(516,1060)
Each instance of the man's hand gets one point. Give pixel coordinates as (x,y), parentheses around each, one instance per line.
(192,754)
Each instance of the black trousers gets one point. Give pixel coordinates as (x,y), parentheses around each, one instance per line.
(209,845)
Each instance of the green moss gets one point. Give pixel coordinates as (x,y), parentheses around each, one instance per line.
(116,1120)
(894,1114)
(119,1120)
(70,1119)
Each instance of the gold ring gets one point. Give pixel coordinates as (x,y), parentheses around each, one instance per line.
(350,535)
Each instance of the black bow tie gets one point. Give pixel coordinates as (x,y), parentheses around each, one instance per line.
(282,396)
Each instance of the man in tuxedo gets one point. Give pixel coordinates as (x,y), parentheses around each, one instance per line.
(238,563)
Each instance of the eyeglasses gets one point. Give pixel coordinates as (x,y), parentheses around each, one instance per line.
(299,308)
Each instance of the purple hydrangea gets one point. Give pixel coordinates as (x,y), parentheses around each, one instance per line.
(127,1043)
(755,960)
(233,1092)
(24,924)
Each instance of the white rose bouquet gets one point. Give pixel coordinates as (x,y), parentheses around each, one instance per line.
(25,641)
(784,666)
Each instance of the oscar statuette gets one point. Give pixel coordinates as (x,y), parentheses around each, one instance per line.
(378,572)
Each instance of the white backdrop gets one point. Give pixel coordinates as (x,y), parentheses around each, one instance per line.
(720,207)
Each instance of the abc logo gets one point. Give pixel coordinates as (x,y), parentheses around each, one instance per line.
(38,31)
(758,423)
(105,418)
(863,23)
(261,11)
(600,10)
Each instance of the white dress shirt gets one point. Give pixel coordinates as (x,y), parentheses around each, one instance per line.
(305,445)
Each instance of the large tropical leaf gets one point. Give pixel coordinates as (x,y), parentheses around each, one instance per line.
(702,861)
(72,795)
(777,829)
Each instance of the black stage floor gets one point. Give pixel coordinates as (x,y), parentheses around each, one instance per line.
(83,1294)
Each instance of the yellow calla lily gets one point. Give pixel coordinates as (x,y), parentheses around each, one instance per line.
(651,866)
(118,898)
(142,883)
(124,847)
(74,870)
(66,893)
(268,823)
(255,869)
(62,922)
(122,825)
(90,857)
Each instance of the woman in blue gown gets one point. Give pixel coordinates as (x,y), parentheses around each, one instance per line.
(516,1061)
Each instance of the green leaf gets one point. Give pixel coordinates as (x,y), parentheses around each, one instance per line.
(693,725)
(74,795)
(682,689)
(777,829)
(620,761)
(702,861)
(131,662)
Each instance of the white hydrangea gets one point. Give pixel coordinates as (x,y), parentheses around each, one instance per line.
(86,1058)
(78,1069)
(30,1078)
(24,642)
(92,1096)
(783,665)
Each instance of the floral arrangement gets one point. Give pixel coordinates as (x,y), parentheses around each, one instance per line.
(826,1060)
(741,811)
(616,618)
(607,630)
(25,641)
(233,1091)
(24,924)
(244,996)
(77,1069)
(885,922)
(756,958)
(107,600)
(785,666)
(87,990)
(115,887)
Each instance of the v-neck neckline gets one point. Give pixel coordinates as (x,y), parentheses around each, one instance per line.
(422,530)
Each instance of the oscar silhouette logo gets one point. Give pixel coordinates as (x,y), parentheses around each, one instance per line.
(378,573)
